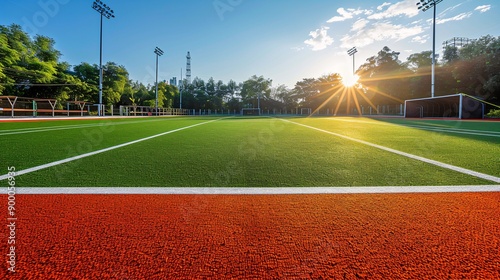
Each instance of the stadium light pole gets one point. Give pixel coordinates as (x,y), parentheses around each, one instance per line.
(351,52)
(258,102)
(425,5)
(180,92)
(107,12)
(158,53)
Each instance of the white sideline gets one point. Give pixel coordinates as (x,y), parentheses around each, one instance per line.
(426,160)
(431,128)
(260,191)
(59,162)
(66,127)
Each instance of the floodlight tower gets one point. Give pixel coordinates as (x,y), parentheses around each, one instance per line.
(180,91)
(105,11)
(425,5)
(351,52)
(158,52)
(188,68)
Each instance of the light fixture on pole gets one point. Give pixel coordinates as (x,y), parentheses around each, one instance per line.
(107,12)
(351,52)
(158,53)
(425,5)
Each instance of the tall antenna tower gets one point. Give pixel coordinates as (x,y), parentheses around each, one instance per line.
(188,68)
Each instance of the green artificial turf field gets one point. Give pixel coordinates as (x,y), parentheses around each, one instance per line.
(249,152)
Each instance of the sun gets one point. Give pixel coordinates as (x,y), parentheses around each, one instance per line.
(350,80)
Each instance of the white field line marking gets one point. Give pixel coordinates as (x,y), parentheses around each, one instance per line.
(260,191)
(426,160)
(59,162)
(451,128)
(66,127)
(457,130)
(432,128)
(58,118)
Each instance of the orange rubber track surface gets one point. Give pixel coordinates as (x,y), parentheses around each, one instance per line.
(348,236)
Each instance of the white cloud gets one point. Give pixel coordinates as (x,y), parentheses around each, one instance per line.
(381,7)
(419,39)
(483,9)
(385,23)
(458,17)
(319,39)
(406,7)
(381,31)
(343,16)
(359,24)
(348,14)
(449,9)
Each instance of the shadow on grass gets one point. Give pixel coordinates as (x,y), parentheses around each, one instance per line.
(487,131)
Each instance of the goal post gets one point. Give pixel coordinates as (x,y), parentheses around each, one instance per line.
(460,106)
(250,112)
(306,111)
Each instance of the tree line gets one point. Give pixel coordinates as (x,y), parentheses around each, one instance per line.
(31,67)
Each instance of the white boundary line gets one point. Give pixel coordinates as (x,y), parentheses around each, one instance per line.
(455,130)
(451,129)
(63,118)
(426,160)
(431,128)
(67,127)
(59,162)
(260,191)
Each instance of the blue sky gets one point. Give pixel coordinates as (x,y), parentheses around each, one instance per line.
(284,40)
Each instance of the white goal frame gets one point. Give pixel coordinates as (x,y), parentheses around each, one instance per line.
(460,106)
(255,111)
(307,110)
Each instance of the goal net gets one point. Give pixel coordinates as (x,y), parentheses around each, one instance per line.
(459,106)
(250,112)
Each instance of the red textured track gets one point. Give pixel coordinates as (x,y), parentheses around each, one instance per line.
(372,236)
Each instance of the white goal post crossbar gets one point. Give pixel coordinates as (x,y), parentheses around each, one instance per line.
(459,106)
(250,112)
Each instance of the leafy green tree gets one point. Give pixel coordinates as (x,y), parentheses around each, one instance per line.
(89,75)
(8,58)
(115,78)
(254,88)
(329,91)
(420,80)
(221,94)
(234,104)
(200,93)
(233,88)
(26,61)
(450,54)
(64,86)
(305,90)
(166,95)
(211,98)
(385,77)
(478,68)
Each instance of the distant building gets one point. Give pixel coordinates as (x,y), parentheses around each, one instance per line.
(173,81)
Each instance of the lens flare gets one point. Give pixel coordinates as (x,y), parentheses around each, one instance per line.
(350,80)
